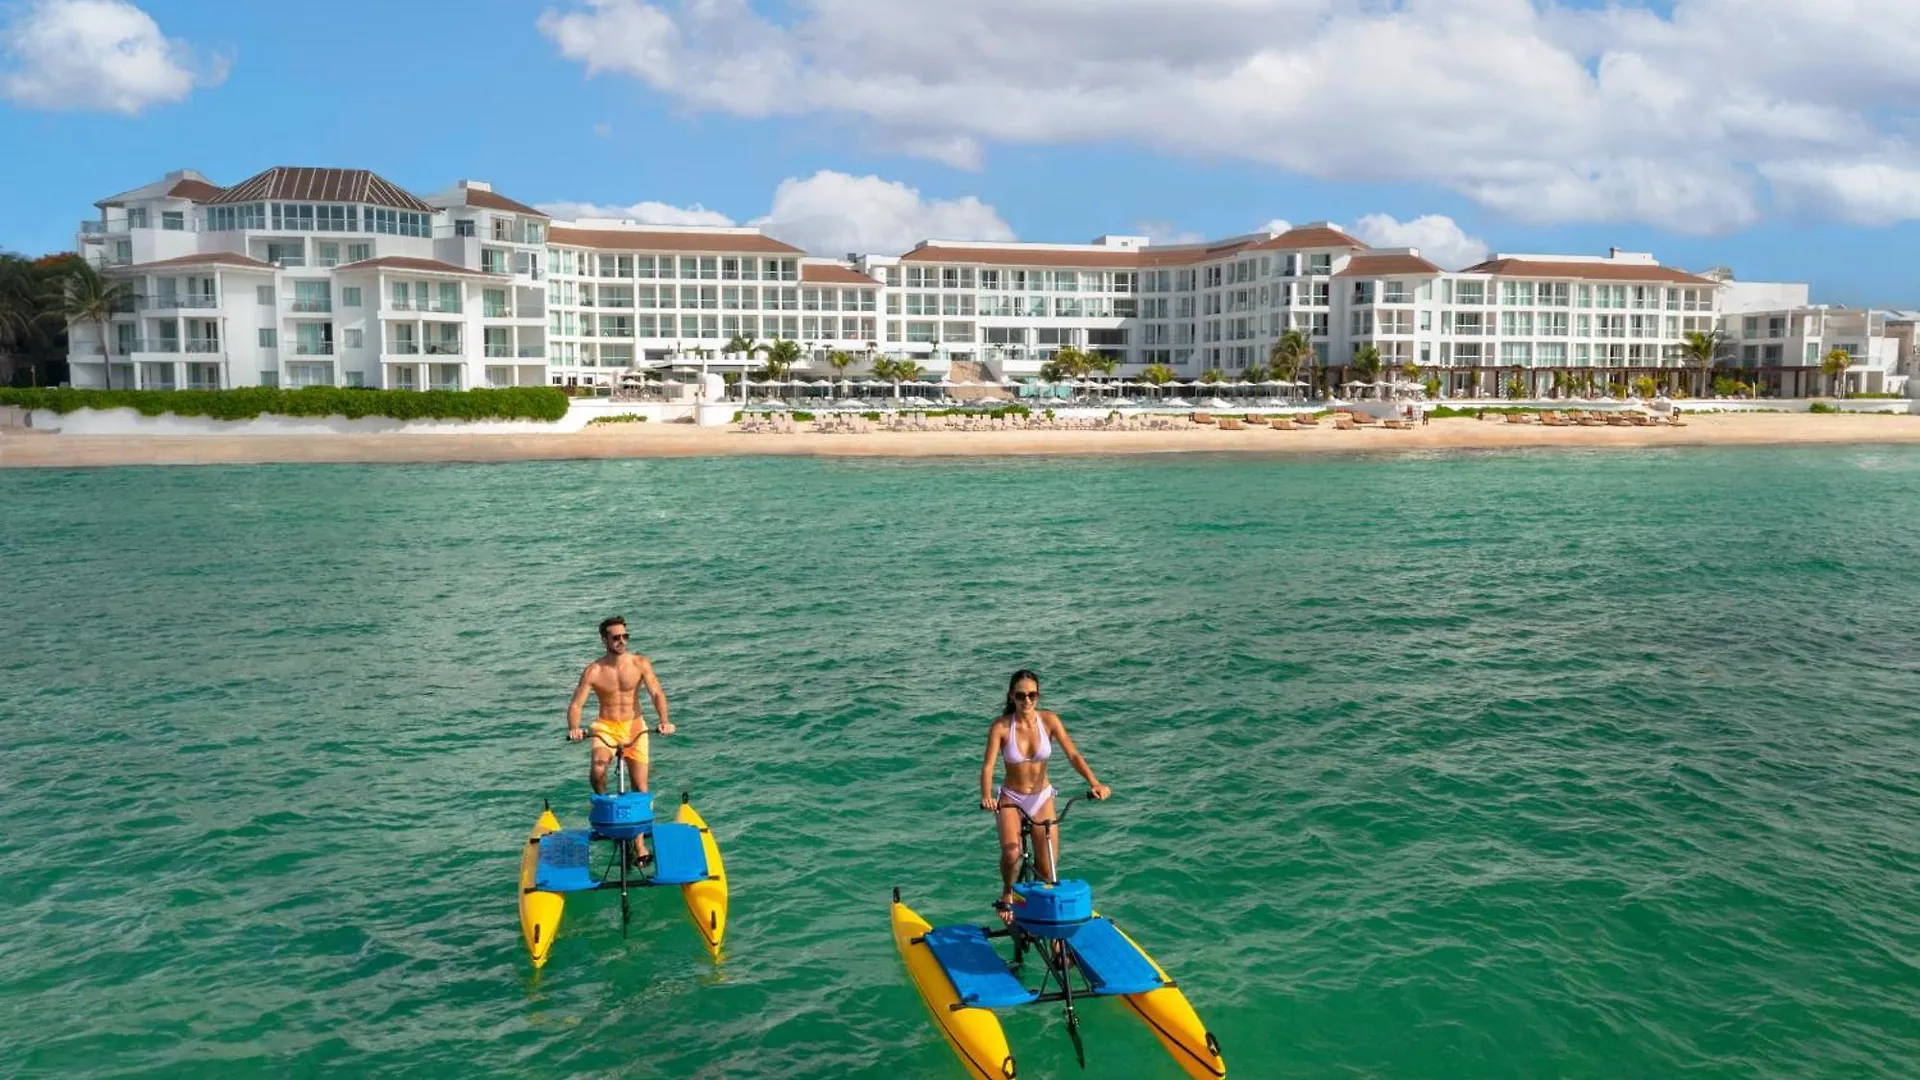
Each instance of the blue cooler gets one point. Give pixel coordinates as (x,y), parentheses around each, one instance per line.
(621,817)
(1052,911)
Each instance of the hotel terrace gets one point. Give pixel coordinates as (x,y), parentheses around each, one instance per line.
(312,276)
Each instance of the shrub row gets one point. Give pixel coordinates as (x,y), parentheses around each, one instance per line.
(511,403)
(618,418)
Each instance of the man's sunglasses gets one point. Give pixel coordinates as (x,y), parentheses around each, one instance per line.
(615,637)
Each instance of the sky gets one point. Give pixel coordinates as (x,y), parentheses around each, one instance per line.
(1774,137)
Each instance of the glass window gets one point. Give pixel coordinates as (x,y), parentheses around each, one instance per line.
(267,337)
(264,294)
(350,296)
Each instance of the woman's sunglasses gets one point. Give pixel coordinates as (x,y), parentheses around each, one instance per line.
(1026,695)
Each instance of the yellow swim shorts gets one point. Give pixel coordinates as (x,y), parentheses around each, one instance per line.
(613,733)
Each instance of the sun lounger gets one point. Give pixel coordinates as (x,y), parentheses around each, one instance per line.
(1259,421)
(1397,425)
(1590,420)
(1365,419)
(1307,420)
(1518,418)
(1280,423)
(1203,418)
(1553,420)
(1230,424)
(1345,423)
(1616,420)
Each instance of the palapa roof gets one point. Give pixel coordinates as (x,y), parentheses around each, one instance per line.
(300,184)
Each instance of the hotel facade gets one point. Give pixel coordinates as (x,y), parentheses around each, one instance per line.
(308,276)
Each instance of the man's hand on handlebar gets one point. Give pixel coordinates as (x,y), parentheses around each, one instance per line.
(575,734)
(664,728)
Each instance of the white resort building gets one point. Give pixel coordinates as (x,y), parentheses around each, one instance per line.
(310,276)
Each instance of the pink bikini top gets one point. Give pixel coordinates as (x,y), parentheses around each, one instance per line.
(1012,751)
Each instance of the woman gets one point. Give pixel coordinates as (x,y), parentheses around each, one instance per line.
(1025,735)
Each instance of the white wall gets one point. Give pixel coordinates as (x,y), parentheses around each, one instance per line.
(1743,297)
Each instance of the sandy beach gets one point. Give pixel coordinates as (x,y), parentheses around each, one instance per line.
(30,450)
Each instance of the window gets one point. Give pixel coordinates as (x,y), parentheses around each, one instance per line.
(264,294)
(1470,292)
(173,220)
(353,338)
(463,227)
(350,296)
(359,252)
(267,337)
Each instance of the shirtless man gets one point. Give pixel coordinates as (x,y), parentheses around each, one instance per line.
(615,679)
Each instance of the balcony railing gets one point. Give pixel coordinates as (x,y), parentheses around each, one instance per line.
(442,307)
(288,260)
(443,348)
(533,352)
(177,301)
(494,350)
(404,348)
(496,312)
(313,348)
(312,304)
(159,345)
(202,345)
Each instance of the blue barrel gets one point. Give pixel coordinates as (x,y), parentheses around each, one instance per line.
(1053,911)
(621,817)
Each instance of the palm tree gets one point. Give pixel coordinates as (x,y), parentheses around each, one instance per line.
(21,299)
(1213,376)
(87,296)
(1834,366)
(1366,363)
(781,355)
(1700,349)
(840,360)
(1159,375)
(739,344)
(1290,355)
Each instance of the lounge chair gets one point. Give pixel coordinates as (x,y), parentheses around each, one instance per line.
(1203,418)
(1306,420)
(1617,420)
(1397,424)
(1280,423)
(1553,419)
(1365,419)
(1519,418)
(1229,423)
(1344,422)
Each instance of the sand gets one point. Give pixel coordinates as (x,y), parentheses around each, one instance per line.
(28,449)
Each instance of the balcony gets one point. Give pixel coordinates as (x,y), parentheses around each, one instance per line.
(102,228)
(202,345)
(100,260)
(147,345)
(492,311)
(311,305)
(533,352)
(441,307)
(313,348)
(287,261)
(403,348)
(495,351)
(443,348)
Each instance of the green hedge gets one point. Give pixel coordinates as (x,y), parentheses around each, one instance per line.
(621,418)
(512,403)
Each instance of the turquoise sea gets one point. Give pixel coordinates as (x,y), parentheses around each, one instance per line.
(1552,764)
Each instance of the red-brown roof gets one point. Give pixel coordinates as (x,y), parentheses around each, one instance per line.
(321,185)
(493,200)
(833,275)
(1387,266)
(1310,236)
(1085,258)
(197,190)
(205,258)
(1023,255)
(717,243)
(409,262)
(1586,271)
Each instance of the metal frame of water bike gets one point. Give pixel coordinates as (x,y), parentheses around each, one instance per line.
(1059,961)
(625,858)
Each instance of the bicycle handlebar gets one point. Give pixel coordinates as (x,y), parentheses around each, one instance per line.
(1059,816)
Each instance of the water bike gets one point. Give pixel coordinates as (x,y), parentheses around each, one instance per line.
(558,861)
(1081,953)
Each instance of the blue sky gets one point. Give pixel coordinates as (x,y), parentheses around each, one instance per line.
(429,91)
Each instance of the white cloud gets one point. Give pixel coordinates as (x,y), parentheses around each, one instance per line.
(1436,235)
(1277,225)
(98,55)
(832,213)
(1166,232)
(1643,110)
(1861,192)
(643,213)
(829,213)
